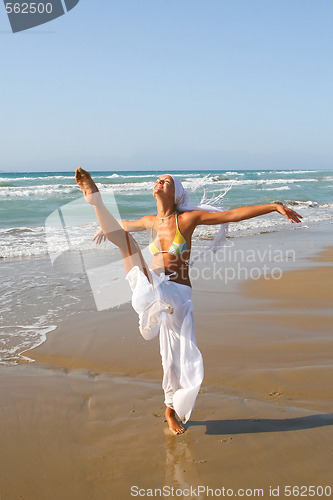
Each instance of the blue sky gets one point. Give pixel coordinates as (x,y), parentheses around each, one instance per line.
(166,84)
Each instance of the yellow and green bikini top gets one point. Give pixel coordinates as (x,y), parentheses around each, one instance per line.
(178,245)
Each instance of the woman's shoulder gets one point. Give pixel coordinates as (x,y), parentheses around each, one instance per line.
(148,220)
(189,216)
(189,220)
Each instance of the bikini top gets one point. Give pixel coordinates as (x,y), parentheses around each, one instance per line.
(178,246)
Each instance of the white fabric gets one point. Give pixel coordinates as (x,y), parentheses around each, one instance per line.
(146,301)
(182,205)
(166,306)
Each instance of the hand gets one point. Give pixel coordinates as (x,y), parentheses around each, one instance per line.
(99,237)
(290,214)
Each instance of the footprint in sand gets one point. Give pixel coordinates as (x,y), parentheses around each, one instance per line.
(274,394)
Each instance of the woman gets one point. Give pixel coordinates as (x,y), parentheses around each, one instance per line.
(162,294)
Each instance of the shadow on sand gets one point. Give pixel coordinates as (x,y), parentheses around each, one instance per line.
(252,426)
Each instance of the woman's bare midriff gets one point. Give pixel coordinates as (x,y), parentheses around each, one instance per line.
(170,264)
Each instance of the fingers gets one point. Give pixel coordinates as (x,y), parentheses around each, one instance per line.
(292,216)
(295,216)
(99,237)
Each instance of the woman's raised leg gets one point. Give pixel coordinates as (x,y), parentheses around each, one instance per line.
(127,245)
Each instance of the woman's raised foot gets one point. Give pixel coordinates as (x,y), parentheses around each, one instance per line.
(85,182)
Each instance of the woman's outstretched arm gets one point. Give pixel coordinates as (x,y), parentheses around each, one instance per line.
(133,226)
(130,226)
(243,213)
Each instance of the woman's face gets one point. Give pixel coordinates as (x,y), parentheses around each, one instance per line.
(164,186)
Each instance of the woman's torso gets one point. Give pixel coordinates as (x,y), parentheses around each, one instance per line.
(171,246)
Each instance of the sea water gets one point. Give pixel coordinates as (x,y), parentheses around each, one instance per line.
(36,296)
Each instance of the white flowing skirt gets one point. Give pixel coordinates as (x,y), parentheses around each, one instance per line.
(166,307)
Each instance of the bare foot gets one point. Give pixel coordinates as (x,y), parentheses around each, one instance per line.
(85,182)
(174,426)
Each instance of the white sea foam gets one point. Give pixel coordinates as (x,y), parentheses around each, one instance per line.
(20,242)
(41,191)
(33,179)
(288,172)
(17,340)
(268,182)
(234,172)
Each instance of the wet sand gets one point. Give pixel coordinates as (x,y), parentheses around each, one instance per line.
(86,420)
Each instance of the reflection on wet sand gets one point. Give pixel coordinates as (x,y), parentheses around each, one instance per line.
(180,469)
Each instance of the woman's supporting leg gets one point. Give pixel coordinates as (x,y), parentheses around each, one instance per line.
(181,358)
(127,245)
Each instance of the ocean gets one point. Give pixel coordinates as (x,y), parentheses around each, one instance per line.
(34,207)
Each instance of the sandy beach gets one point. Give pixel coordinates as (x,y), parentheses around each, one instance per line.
(86,420)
